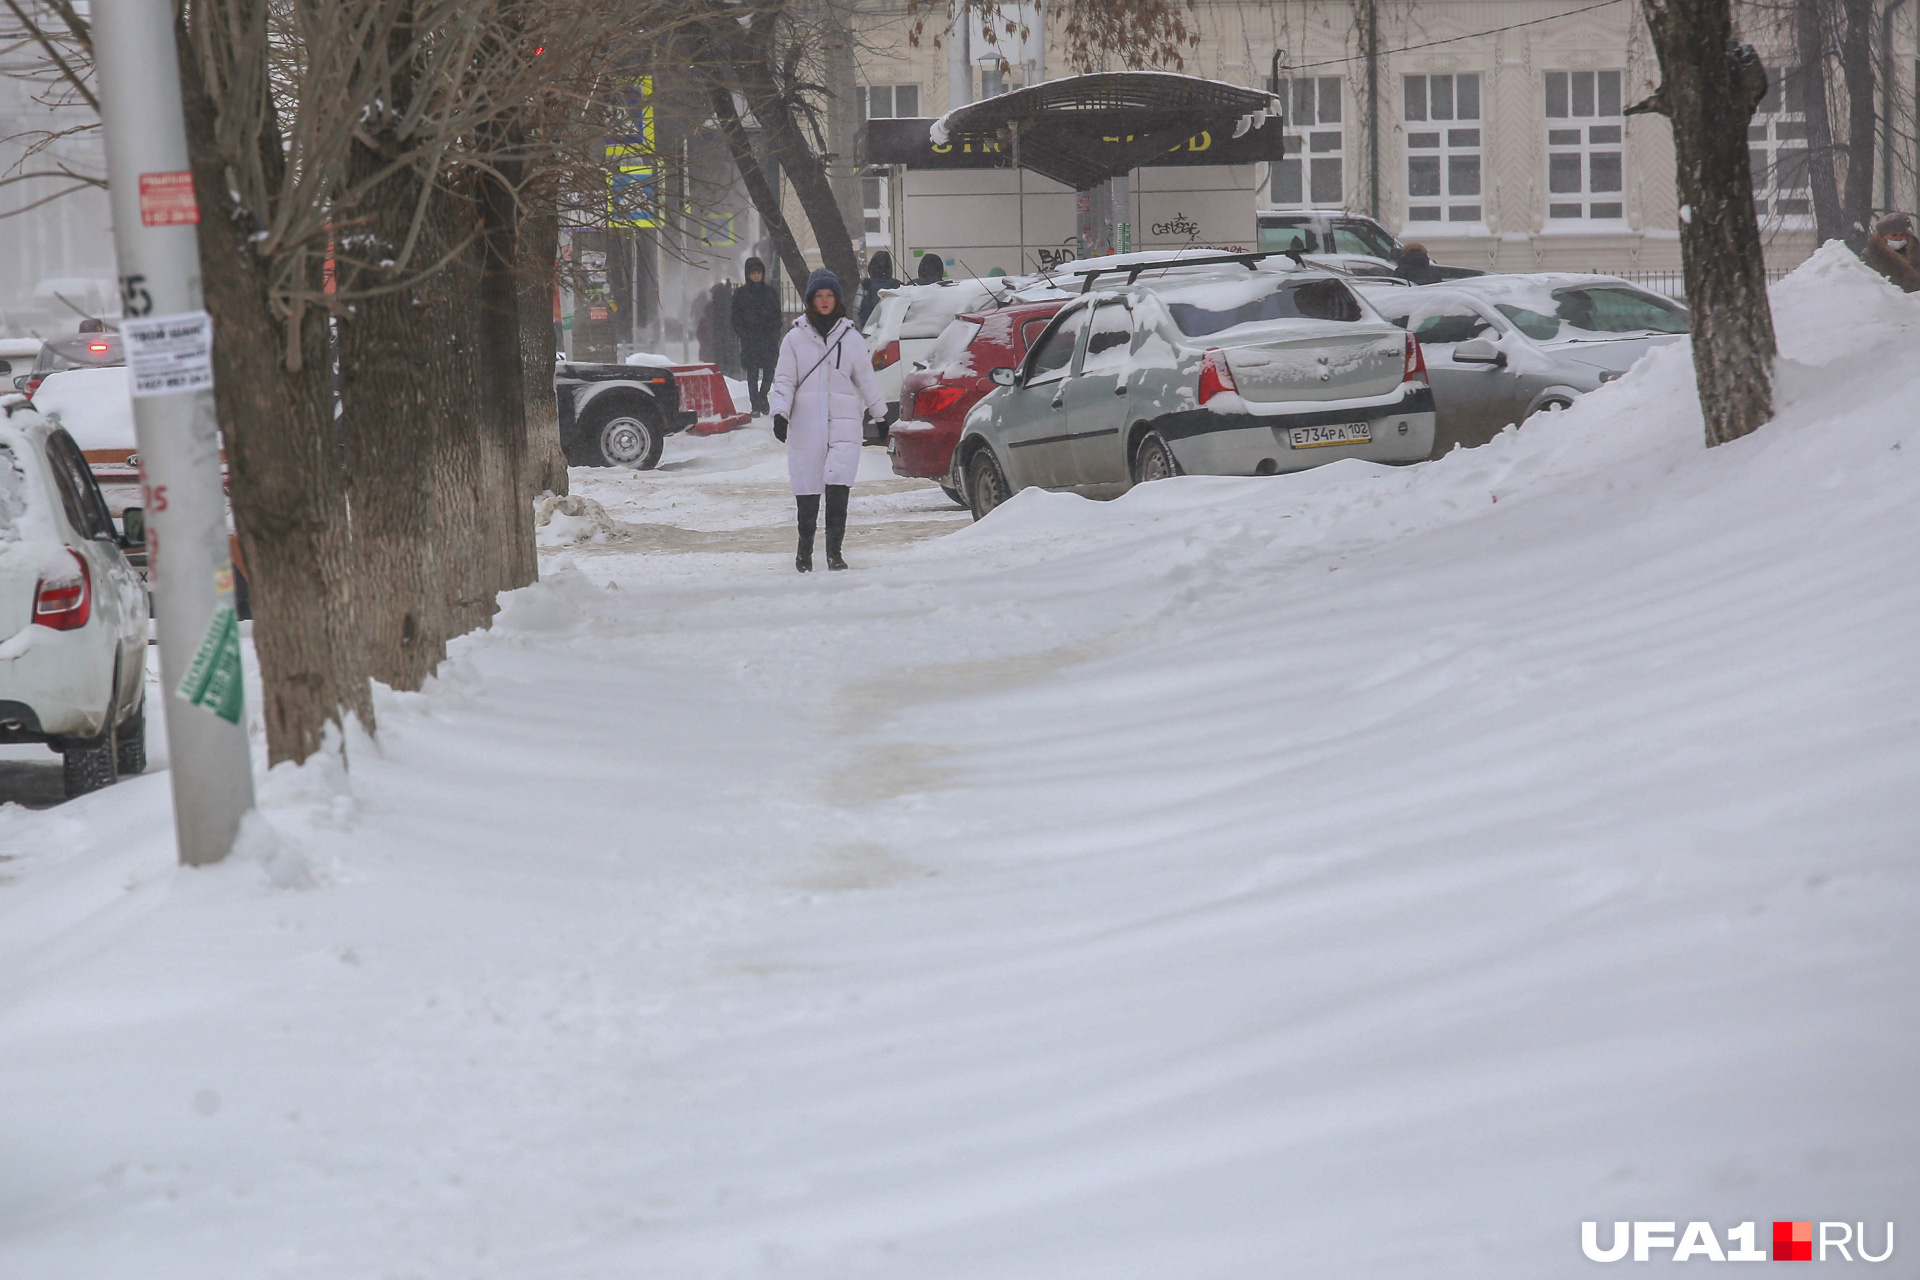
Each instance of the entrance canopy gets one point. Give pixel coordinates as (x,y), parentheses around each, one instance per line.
(1082,130)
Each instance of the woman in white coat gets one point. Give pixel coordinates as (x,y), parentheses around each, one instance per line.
(823,378)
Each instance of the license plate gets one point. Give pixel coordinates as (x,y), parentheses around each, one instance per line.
(1332,434)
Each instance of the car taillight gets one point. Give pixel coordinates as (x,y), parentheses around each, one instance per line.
(33,385)
(1215,377)
(1416,361)
(98,348)
(889,354)
(63,598)
(935,400)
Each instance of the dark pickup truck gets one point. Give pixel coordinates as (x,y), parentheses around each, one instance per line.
(617,415)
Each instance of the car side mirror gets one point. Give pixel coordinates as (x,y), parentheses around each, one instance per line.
(20,381)
(133,527)
(1479,351)
(1000,377)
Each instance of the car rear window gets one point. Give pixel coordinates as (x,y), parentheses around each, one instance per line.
(954,339)
(1200,312)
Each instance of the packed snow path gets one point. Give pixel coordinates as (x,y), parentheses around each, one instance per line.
(1366,873)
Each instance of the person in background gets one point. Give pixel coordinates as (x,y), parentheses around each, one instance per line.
(756,321)
(823,378)
(1894,253)
(932,270)
(90,325)
(1415,266)
(879,276)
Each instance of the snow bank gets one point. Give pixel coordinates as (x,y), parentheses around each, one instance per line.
(1365,872)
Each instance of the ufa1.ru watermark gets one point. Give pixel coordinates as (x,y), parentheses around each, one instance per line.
(1792,1242)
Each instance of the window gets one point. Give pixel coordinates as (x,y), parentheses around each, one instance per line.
(876,208)
(1777,148)
(1109,339)
(1055,352)
(1313,174)
(1453,327)
(79,493)
(1585,129)
(889,101)
(1218,308)
(1443,148)
(1597,309)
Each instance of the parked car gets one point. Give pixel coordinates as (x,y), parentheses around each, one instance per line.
(936,396)
(1229,372)
(17,356)
(73,613)
(71,351)
(909,320)
(1502,348)
(617,415)
(1333,234)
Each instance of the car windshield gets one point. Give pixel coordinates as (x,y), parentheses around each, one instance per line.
(932,307)
(1354,235)
(1287,235)
(1213,308)
(1596,311)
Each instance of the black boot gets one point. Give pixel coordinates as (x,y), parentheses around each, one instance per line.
(836,523)
(808,516)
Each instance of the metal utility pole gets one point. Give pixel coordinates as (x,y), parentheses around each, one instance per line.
(168,338)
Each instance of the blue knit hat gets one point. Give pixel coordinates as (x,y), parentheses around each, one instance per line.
(824,279)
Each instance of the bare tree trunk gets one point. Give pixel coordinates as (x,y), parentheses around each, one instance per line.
(1710,84)
(285,479)
(759,190)
(537,250)
(1810,37)
(388,394)
(503,373)
(1857,73)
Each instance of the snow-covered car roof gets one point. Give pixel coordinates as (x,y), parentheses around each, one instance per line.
(92,404)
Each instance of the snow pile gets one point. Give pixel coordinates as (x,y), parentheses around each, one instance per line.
(1366,872)
(561,519)
(92,404)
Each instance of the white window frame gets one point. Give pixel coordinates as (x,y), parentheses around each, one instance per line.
(1437,131)
(1777,145)
(1586,126)
(887,95)
(1316,162)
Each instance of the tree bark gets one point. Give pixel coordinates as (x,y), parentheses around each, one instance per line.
(759,190)
(1710,84)
(1858,75)
(503,373)
(1810,38)
(285,480)
(537,251)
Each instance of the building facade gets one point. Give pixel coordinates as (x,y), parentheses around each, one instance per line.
(1493,131)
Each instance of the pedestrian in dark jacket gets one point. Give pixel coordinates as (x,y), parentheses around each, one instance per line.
(756,319)
(1416,267)
(932,270)
(879,276)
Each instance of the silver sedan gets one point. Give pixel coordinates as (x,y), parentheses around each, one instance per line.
(1220,373)
(1502,348)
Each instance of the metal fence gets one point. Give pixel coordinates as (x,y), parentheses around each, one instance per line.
(1672,283)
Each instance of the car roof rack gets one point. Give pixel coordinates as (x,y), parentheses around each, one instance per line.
(1250,261)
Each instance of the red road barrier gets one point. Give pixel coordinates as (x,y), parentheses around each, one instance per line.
(704,391)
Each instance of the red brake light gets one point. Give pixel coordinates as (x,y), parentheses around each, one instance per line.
(33,385)
(935,400)
(98,348)
(1215,376)
(1416,361)
(63,599)
(889,354)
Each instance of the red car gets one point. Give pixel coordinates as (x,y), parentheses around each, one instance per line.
(935,399)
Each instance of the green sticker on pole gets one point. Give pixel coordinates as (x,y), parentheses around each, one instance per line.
(213,681)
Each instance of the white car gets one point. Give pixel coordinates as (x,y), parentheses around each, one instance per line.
(73,613)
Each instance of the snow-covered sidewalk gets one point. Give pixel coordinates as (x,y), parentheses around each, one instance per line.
(1370,873)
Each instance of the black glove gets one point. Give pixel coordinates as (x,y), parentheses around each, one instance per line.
(780,427)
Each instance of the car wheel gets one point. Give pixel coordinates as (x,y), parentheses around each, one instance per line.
(1153,459)
(87,764)
(130,744)
(986,485)
(621,436)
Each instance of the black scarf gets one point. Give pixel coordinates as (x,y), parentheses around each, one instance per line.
(823,325)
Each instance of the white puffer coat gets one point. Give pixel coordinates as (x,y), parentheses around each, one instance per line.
(820,385)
